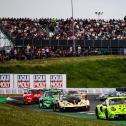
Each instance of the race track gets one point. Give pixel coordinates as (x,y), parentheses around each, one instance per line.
(18,101)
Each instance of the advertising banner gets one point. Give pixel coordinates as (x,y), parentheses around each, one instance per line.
(6,80)
(23,80)
(33,81)
(57,81)
(39,81)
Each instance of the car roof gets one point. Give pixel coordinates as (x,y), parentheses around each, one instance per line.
(109,98)
(53,91)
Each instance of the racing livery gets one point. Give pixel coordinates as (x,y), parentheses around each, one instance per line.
(72,101)
(32,96)
(103,96)
(112,108)
(49,98)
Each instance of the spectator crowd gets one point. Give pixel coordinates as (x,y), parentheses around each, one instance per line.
(59,29)
(62,29)
(29,53)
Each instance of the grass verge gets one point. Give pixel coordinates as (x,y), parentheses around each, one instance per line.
(15,116)
(82,72)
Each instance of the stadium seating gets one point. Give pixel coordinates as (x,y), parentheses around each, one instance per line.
(45,37)
(61,29)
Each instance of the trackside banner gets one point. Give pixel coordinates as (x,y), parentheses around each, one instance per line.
(22,81)
(6,80)
(39,81)
(56,81)
(32,81)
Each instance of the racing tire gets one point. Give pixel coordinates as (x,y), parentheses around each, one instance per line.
(24,103)
(36,100)
(41,104)
(96,113)
(56,108)
(88,108)
(106,114)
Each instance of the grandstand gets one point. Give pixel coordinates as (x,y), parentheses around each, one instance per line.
(61,29)
(54,37)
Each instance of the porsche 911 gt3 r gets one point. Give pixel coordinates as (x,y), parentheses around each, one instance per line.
(112,108)
(32,96)
(49,98)
(72,101)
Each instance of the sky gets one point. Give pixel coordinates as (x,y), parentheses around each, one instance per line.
(62,8)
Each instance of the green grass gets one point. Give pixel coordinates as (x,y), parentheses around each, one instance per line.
(15,116)
(91,71)
(9,95)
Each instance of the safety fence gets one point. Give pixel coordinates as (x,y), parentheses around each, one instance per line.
(68,43)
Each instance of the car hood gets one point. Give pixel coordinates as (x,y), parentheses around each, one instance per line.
(73,99)
(119,106)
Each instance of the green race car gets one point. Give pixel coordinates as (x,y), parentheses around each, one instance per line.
(49,98)
(112,108)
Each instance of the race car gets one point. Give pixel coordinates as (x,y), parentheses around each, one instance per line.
(103,96)
(72,100)
(112,108)
(32,96)
(49,98)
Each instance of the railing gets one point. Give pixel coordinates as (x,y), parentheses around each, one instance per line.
(68,43)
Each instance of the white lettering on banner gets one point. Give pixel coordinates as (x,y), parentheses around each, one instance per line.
(4,81)
(23,81)
(39,81)
(56,81)
(4,84)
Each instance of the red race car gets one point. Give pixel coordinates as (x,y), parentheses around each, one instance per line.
(32,96)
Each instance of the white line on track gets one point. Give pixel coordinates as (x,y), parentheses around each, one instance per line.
(90,112)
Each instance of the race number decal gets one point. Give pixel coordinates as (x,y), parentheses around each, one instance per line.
(56,81)
(4,81)
(39,81)
(23,81)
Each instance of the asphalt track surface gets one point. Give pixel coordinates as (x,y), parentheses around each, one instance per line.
(88,114)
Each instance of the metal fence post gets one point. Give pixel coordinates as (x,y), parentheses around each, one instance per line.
(58,43)
(118,48)
(84,43)
(110,47)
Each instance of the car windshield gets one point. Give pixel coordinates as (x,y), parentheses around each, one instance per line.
(51,94)
(117,101)
(33,92)
(73,92)
(67,96)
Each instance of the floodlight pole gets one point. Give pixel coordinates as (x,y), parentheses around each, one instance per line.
(74,46)
(98,13)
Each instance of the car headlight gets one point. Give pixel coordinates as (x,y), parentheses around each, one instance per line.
(113,109)
(66,103)
(82,103)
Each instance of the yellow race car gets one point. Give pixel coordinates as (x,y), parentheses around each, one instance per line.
(72,101)
(112,108)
